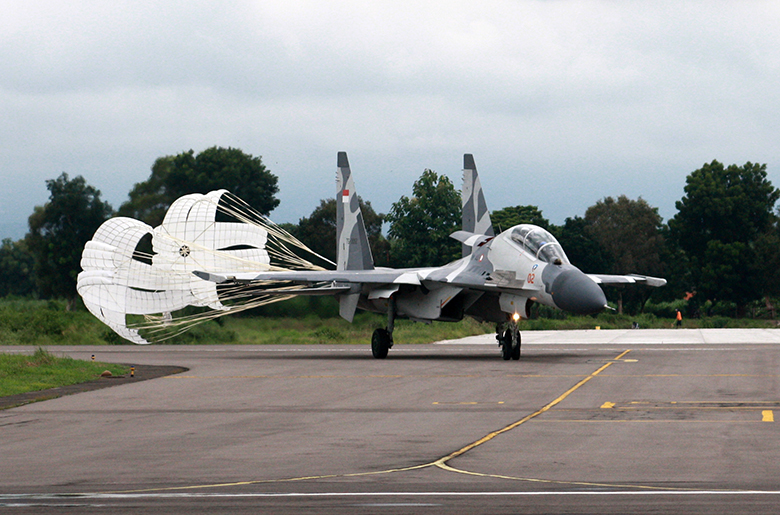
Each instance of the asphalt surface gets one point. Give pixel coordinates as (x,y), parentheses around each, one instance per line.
(586,422)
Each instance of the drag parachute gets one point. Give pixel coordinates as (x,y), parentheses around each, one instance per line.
(138,280)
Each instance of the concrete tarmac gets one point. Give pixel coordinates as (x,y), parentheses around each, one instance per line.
(647,421)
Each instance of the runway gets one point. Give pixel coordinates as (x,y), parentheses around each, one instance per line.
(663,421)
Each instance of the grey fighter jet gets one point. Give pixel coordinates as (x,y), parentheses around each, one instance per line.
(498,278)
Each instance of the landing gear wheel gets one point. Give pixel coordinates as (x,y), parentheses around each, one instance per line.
(516,348)
(506,345)
(380,343)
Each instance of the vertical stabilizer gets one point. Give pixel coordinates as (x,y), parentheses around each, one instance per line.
(352,251)
(476,218)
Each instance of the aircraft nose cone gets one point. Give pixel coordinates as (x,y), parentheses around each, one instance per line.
(575,292)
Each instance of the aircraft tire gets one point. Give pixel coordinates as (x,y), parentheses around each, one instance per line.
(380,343)
(506,346)
(516,350)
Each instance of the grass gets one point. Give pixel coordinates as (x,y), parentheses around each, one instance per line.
(44,323)
(42,370)
(313,330)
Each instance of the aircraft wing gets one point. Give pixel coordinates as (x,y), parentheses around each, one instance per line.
(376,276)
(383,281)
(627,279)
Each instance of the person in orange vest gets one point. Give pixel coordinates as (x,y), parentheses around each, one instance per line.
(679,318)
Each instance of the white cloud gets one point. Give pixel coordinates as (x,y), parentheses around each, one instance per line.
(562,102)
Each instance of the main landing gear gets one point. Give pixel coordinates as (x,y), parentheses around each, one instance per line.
(508,337)
(382,339)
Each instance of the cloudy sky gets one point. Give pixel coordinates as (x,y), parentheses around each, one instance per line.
(561,102)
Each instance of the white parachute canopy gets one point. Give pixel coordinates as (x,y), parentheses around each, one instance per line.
(135,277)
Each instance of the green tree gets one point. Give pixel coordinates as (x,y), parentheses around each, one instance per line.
(420,226)
(16,269)
(678,272)
(723,275)
(58,232)
(507,217)
(724,212)
(318,230)
(580,247)
(215,168)
(733,204)
(767,261)
(629,232)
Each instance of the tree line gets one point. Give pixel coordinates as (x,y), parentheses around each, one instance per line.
(718,252)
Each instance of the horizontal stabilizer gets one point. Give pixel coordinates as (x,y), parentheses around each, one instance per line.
(471,239)
(206,276)
(330,288)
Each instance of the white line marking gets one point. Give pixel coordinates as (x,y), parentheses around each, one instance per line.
(205,495)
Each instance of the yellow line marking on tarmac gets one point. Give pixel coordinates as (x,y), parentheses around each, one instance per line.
(608,405)
(525,419)
(767,416)
(442,462)
(448,468)
(267,481)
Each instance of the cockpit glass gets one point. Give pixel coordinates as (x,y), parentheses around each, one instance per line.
(539,243)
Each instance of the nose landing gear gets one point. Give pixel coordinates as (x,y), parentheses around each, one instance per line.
(509,340)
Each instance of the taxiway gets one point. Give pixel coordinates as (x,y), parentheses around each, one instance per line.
(586,422)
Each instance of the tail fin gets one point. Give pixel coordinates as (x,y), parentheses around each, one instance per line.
(476,218)
(352,249)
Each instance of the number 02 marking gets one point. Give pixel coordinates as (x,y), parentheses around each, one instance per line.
(531,278)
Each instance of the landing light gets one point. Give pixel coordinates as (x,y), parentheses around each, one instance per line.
(516,317)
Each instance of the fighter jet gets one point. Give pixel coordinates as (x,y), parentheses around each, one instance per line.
(497,280)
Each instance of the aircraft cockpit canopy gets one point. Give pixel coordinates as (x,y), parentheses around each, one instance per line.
(539,243)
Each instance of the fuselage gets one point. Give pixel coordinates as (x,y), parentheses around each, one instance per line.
(502,276)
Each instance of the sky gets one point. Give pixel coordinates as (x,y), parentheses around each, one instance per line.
(561,102)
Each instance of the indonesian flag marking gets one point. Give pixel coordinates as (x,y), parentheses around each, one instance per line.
(345,196)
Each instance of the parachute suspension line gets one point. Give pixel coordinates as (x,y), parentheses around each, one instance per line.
(158,328)
(242,211)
